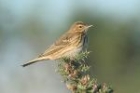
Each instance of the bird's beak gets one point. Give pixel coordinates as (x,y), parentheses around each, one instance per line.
(89,26)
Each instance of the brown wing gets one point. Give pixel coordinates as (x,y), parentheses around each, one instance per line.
(64,41)
(61,43)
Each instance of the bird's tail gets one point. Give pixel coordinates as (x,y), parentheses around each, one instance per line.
(34,61)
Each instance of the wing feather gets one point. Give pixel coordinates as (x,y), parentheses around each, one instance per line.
(64,41)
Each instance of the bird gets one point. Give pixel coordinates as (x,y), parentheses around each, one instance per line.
(69,45)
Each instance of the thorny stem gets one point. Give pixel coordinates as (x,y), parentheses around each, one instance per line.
(76,77)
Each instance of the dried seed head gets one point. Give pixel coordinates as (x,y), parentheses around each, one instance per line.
(85,79)
(71,87)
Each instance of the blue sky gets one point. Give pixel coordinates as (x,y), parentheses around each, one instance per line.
(123,8)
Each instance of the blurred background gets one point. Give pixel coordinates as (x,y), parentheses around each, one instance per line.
(28,27)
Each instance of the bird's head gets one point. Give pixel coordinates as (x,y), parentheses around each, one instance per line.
(79,26)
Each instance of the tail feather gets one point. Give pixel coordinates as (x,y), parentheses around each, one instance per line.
(29,63)
(34,61)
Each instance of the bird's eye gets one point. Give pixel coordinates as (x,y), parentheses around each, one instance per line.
(80,26)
